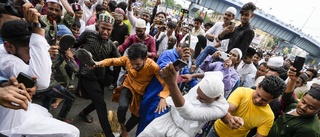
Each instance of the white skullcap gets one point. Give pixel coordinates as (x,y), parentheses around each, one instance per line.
(275,62)
(55,1)
(232,10)
(211,84)
(238,51)
(140,23)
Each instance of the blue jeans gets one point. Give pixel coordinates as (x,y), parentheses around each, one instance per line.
(59,92)
(208,50)
(212,132)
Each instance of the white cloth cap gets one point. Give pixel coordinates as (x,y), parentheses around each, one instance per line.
(275,62)
(140,23)
(55,1)
(232,10)
(211,84)
(238,51)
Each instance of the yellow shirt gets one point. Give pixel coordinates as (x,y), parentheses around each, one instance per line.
(137,81)
(254,116)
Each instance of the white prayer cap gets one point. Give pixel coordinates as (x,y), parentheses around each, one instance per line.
(275,62)
(140,23)
(238,51)
(232,10)
(55,1)
(211,84)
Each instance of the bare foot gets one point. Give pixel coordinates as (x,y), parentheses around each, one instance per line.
(56,103)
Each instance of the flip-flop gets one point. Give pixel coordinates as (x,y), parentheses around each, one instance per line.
(85,57)
(86,118)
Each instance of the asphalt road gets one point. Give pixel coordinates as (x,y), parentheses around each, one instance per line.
(87,129)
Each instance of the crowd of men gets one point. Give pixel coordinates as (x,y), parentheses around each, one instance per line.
(226,87)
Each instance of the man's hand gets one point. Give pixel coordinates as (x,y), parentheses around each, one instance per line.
(169,74)
(227,63)
(235,122)
(53,50)
(14,98)
(187,77)
(69,54)
(186,54)
(292,73)
(161,106)
(216,54)
(158,2)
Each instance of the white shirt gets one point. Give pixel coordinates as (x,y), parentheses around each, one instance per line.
(193,114)
(87,13)
(247,74)
(215,30)
(164,43)
(83,26)
(37,119)
(39,64)
(91,27)
(132,20)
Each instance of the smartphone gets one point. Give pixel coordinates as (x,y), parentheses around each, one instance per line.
(298,64)
(26,80)
(224,56)
(185,11)
(232,23)
(179,64)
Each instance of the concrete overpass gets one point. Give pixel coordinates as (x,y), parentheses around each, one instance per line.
(269,24)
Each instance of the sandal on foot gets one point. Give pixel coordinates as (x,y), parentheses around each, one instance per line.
(86,118)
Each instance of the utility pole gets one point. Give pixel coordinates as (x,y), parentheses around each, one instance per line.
(313,8)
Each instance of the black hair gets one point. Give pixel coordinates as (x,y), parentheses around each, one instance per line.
(172,24)
(123,5)
(16,32)
(137,50)
(164,14)
(100,8)
(259,54)
(273,85)
(112,5)
(248,6)
(313,71)
(210,24)
(76,23)
(199,19)
(263,64)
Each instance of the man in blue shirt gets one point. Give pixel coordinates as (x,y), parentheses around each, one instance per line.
(151,98)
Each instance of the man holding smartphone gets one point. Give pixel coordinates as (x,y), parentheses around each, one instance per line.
(26,50)
(242,35)
(212,34)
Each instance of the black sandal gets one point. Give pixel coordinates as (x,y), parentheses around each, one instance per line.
(86,118)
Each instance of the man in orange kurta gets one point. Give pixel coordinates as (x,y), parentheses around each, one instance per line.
(140,70)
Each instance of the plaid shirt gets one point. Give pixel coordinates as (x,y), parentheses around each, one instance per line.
(57,60)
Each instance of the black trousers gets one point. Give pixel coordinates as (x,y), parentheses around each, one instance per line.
(95,90)
(125,101)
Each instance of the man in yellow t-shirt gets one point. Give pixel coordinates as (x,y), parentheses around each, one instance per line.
(248,109)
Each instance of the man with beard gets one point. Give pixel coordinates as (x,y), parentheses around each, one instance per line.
(300,118)
(26,50)
(144,15)
(92,82)
(141,37)
(141,70)
(54,13)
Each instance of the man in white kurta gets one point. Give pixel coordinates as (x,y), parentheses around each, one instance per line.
(36,121)
(204,102)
